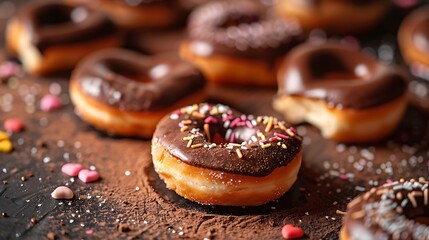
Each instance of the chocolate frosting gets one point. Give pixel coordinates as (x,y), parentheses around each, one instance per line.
(135,82)
(208,136)
(390,212)
(55,23)
(240,29)
(339,75)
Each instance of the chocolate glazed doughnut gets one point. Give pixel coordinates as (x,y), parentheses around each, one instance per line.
(125,93)
(398,210)
(237,43)
(347,94)
(141,14)
(334,16)
(413,39)
(215,155)
(51,36)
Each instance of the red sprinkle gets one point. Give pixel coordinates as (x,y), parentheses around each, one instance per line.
(281,135)
(13,125)
(290,232)
(210,119)
(49,103)
(234,122)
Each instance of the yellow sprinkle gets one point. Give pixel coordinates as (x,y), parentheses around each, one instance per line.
(5,146)
(340,212)
(187,122)
(259,119)
(197,145)
(239,153)
(198,115)
(184,128)
(3,136)
(269,124)
(284,146)
(189,143)
(266,145)
(288,131)
(186,138)
(279,143)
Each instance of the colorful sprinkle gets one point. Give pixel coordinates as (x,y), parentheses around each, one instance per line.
(88,176)
(239,153)
(291,232)
(50,103)
(62,192)
(13,125)
(8,70)
(6,146)
(72,169)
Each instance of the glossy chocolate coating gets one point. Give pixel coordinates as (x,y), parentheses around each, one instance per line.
(240,29)
(54,23)
(339,75)
(135,82)
(256,160)
(390,212)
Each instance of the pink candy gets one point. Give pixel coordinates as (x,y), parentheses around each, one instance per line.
(50,102)
(62,192)
(290,232)
(72,169)
(13,125)
(9,69)
(87,176)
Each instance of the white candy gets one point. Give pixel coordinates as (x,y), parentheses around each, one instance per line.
(62,192)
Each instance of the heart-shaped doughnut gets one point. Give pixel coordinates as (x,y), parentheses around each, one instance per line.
(347,94)
(126,93)
(213,154)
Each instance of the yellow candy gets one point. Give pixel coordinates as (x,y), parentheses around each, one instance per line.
(5,146)
(3,136)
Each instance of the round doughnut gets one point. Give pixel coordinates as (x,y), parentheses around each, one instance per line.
(397,210)
(125,93)
(52,36)
(237,43)
(334,16)
(214,155)
(348,95)
(139,14)
(413,39)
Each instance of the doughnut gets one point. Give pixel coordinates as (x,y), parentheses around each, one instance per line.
(413,39)
(52,36)
(334,16)
(348,95)
(214,155)
(397,210)
(237,43)
(125,93)
(138,14)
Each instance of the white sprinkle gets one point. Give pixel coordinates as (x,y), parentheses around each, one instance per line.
(127,173)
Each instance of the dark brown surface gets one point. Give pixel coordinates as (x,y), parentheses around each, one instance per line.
(138,205)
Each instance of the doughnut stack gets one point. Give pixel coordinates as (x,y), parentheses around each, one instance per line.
(211,153)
